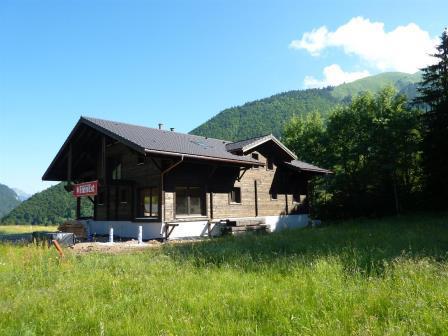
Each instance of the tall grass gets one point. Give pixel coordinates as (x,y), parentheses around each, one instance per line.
(362,277)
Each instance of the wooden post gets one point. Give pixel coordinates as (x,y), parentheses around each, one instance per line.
(104,185)
(103,160)
(58,248)
(256,198)
(78,207)
(211,204)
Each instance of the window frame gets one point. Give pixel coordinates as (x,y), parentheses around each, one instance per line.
(202,198)
(255,156)
(272,196)
(231,201)
(296,198)
(140,214)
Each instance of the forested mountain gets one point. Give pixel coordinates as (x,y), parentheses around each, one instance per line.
(51,206)
(8,200)
(269,115)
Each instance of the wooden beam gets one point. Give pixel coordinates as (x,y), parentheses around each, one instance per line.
(244,170)
(169,227)
(256,197)
(211,204)
(78,207)
(103,160)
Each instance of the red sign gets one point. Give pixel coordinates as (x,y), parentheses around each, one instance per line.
(85,189)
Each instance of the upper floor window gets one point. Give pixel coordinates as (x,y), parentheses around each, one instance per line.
(274,196)
(235,195)
(114,169)
(255,156)
(296,198)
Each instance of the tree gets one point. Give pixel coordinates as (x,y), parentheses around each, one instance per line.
(373,147)
(433,94)
(304,136)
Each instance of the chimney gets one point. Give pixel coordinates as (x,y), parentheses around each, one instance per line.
(172,129)
(160,126)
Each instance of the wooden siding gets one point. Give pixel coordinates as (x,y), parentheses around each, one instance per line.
(215,179)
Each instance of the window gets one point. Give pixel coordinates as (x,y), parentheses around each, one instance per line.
(297,198)
(148,202)
(190,201)
(269,164)
(235,195)
(255,156)
(274,196)
(115,169)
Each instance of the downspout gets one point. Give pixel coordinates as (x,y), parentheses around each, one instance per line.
(162,194)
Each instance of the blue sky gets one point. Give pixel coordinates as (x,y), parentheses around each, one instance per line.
(180,62)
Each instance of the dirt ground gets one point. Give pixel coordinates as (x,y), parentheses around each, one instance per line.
(116,247)
(123,246)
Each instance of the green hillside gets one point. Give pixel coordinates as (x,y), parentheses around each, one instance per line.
(399,80)
(51,206)
(269,115)
(8,200)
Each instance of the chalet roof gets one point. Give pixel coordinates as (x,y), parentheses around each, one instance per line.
(146,139)
(303,166)
(248,144)
(164,142)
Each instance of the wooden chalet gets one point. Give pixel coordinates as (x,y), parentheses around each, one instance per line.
(180,185)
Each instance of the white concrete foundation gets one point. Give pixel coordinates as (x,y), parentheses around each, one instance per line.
(191,229)
(278,223)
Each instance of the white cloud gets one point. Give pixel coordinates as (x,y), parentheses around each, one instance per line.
(406,48)
(334,75)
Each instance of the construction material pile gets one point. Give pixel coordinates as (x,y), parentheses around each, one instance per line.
(74,227)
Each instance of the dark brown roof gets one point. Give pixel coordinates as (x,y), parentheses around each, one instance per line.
(148,139)
(303,166)
(163,142)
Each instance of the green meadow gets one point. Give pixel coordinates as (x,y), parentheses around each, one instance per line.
(13,229)
(362,277)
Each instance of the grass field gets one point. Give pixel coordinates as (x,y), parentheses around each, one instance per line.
(10,229)
(370,277)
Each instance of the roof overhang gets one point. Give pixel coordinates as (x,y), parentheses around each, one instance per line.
(83,121)
(306,167)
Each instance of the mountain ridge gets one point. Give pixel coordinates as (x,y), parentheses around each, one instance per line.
(269,115)
(8,200)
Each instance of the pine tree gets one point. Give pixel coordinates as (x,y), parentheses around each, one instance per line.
(433,94)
